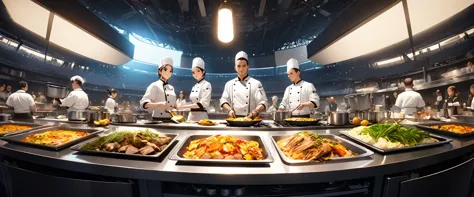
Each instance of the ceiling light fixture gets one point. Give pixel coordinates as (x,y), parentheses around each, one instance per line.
(225,25)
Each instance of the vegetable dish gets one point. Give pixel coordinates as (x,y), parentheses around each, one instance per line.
(207,122)
(8,128)
(388,136)
(301,119)
(223,147)
(144,142)
(454,128)
(311,146)
(54,137)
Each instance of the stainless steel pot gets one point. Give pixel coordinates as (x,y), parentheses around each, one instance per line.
(4,117)
(55,90)
(98,115)
(279,116)
(125,118)
(81,115)
(338,118)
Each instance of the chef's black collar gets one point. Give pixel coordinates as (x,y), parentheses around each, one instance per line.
(201,80)
(243,78)
(164,82)
(298,82)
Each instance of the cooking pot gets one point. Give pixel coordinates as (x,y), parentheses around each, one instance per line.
(80,115)
(4,117)
(125,118)
(98,115)
(338,118)
(55,90)
(279,116)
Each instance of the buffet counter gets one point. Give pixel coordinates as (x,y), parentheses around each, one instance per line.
(373,173)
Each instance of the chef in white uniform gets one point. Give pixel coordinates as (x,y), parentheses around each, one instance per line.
(77,99)
(110,104)
(409,102)
(160,96)
(200,94)
(243,96)
(300,95)
(22,103)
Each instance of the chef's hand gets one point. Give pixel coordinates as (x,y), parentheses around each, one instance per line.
(231,113)
(179,107)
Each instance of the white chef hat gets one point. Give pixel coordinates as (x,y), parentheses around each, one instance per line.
(274,98)
(292,63)
(166,60)
(198,62)
(240,55)
(79,78)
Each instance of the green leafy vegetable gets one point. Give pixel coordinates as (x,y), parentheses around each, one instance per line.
(396,133)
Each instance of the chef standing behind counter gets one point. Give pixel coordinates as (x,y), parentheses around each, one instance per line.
(160,96)
(300,95)
(244,95)
(22,103)
(110,105)
(409,101)
(77,99)
(200,94)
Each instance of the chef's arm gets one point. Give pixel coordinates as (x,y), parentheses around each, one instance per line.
(285,100)
(32,104)
(313,97)
(68,101)
(225,99)
(421,105)
(147,103)
(205,100)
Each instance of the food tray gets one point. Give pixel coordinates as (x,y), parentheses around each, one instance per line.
(302,123)
(32,125)
(242,123)
(427,127)
(442,140)
(78,147)
(360,150)
(177,155)
(18,138)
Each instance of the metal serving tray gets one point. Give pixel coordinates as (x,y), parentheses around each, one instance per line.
(32,125)
(360,150)
(177,155)
(427,127)
(123,155)
(18,138)
(442,140)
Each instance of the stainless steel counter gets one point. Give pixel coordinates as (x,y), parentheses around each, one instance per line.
(164,169)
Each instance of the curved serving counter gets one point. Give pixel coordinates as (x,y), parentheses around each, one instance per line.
(375,173)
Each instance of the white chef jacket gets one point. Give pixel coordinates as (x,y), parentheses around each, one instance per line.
(297,93)
(20,101)
(180,102)
(110,105)
(409,101)
(201,94)
(243,95)
(159,91)
(76,100)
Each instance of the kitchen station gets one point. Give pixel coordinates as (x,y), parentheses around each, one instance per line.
(287,98)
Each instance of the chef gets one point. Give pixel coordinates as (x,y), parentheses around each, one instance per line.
(300,95)
(409,102)
(110,104)
(200,93)
(274,106)
(77,99)
(160,96)
(22,103)
(243,96)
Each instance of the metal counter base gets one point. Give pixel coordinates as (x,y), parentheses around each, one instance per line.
(369,173)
